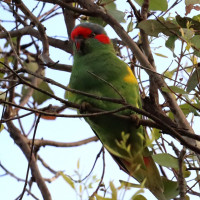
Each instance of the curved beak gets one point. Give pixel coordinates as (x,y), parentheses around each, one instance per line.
(79,43)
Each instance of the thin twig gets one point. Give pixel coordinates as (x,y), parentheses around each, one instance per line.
(42,142)
(181,180)
(103,172)
(11,174)
(29,30)
(32,147)
(97,157)
(44,163)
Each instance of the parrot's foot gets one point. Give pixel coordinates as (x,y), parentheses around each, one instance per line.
(135,119)
(84,107)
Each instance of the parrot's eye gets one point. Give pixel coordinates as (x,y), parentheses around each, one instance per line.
(92,35)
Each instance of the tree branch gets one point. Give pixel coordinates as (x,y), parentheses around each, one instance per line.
(42,142)
(29,30)
(181,180)
(22,143)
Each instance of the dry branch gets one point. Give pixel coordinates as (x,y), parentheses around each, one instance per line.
(22,143)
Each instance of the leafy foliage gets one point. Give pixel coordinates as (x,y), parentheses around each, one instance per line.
(166,160)
(155,4)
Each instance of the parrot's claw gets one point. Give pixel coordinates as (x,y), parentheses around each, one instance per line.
(135,119)
(84,106)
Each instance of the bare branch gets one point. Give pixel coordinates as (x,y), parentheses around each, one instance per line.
(11,174)
(29,163)
(40,143)
(29,30)
(22,143)
(181,180)
(37,23)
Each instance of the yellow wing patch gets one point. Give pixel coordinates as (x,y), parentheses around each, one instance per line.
(130,78)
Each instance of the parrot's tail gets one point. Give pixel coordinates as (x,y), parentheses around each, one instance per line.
(158,194)
(154,182)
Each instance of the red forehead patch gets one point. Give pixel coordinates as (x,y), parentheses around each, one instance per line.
(103,38)
(85,32)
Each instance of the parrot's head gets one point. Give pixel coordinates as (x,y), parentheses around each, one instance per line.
(88,37)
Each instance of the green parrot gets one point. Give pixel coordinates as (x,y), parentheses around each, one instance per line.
(98,71)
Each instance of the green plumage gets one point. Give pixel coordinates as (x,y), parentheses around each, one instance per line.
(98,71)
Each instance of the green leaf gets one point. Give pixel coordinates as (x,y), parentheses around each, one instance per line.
(1,65)
(187,33)
(154,27)
(114,191)
(31,64)
(78,164)
(151,27)
(1,127)
(97,20)
(170,188)
(100,198)
(170,115)
(187,197)
(186,173)
(90,186)
(195,41)
(155,4)
(118,15)
(40,97)
(141,190)
(197,17)
(138,197)
(170,43)
(2,95)
(186,22)
(156,133)
(67,179)
(129,185)
(166,160)
(130,27)
(170,73)
(80,189)
(161,55)
(14,41)
(174,89)
(110,6)
(187,109)
(193,80)
(197,53)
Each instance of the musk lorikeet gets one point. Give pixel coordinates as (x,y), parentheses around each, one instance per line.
(98,71)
